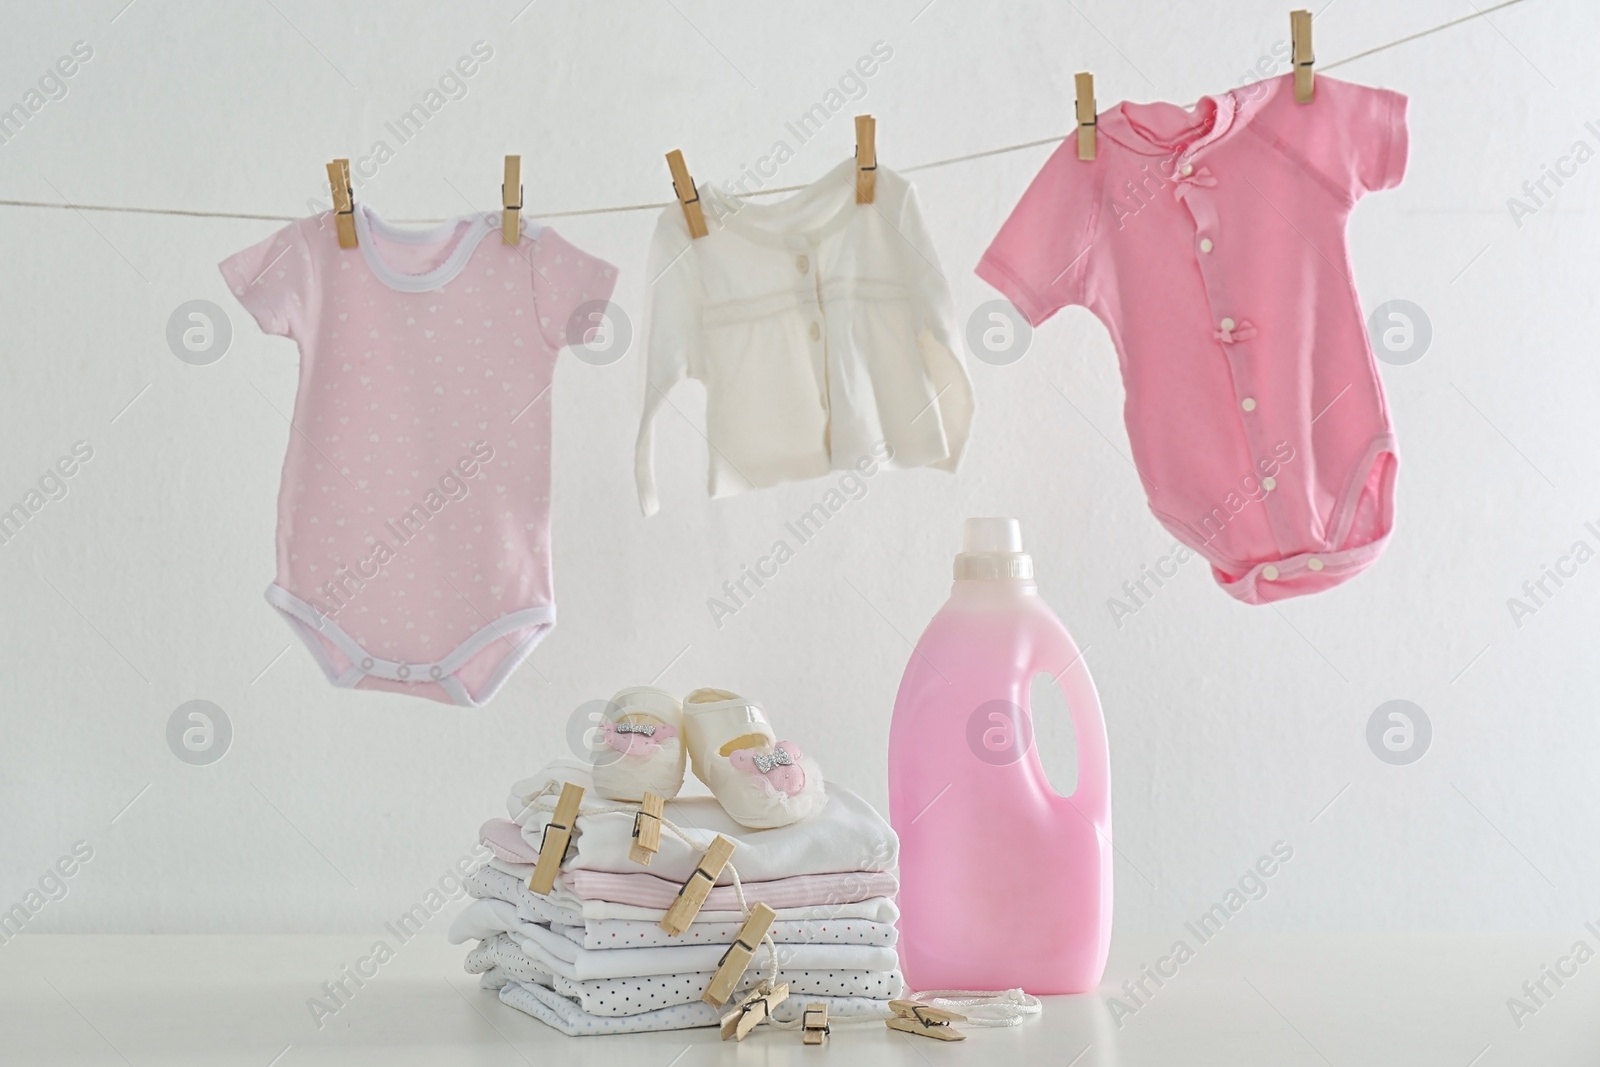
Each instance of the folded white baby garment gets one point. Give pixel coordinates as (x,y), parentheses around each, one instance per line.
(504,881)
(500,960)
(846,835)
(568,1016)
(482,919)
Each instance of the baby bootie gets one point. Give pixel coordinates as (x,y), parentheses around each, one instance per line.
(639,747)
(761,782)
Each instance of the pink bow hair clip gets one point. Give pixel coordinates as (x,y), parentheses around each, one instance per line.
(781,767)
(637,738)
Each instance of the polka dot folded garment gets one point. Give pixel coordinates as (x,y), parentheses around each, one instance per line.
(501,962)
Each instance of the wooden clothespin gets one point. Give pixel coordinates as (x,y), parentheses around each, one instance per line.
(557,835)
(731,967)
(688,195)
(1086,114)
(692,894)
(647,829)
(511,202)
(344,202)
(913,1018)
(753,1010)
(1301,57)
(814,1025)
(866,158)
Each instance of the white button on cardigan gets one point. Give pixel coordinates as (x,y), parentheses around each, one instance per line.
(846,359)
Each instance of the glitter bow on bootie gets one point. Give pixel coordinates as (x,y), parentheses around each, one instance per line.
(764,764)
(637,738)
(781,767)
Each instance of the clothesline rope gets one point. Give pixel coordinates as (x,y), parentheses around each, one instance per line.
(621,209)
(983,1007)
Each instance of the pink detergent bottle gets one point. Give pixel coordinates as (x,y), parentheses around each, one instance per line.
(1003,882)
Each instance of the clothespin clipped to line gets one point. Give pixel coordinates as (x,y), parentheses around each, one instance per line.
(344,202)
(731,967)
(688,195)
(753,1010)
(557,835)
(511,202)
(692,894)
(1086,114)
(647,829)
(1301,56)
(814,1025)
(866,158)
(913,1018)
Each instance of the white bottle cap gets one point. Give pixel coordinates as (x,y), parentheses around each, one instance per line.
(992,548)
(991,535)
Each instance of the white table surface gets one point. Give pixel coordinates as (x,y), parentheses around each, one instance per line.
(1244,999)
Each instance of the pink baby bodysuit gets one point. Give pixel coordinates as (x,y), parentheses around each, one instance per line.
(414,513)
(1211,243)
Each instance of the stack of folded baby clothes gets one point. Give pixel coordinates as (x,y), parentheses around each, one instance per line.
(591,956)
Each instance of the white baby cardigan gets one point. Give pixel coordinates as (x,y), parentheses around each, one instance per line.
(820,328)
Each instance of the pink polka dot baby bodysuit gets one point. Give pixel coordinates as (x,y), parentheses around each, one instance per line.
(1211,244)
(414,511)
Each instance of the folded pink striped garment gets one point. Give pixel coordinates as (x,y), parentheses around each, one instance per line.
(504,838)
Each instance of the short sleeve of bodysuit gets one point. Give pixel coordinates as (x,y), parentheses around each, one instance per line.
(1360,144)
(276,282)
(571,288)
(1039,257)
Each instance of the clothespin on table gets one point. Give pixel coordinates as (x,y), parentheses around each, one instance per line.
(753,1010)
(814,1025)
(866,158)
(688,195)
(913,1018)
(557,835)
(731,967)
(647,829)
(1086,114)
(511,202)
(344,202)
(692,894)
(1301,56)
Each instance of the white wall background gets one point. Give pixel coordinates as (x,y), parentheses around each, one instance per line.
(1231,727)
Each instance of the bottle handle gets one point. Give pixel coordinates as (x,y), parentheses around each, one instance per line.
(1064,663)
